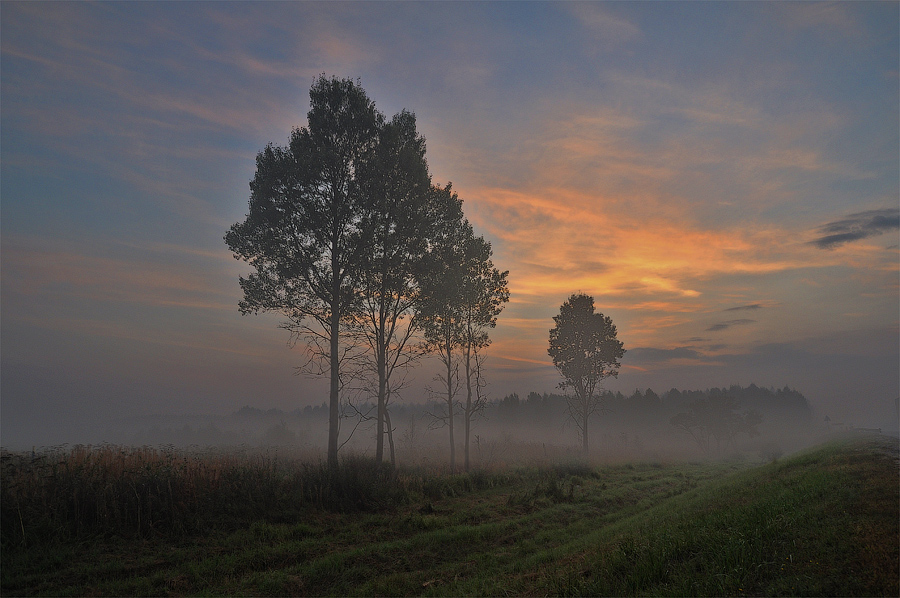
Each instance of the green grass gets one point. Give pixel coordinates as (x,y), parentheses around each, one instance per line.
(824,522)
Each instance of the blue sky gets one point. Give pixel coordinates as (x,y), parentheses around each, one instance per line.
(684,163)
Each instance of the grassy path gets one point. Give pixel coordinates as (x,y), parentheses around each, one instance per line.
(821,523)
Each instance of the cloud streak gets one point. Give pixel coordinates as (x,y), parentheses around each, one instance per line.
(33,272)
(751,307)
(649,355)
(726,325)
(857,226)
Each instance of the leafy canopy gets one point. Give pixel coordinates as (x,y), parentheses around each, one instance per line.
(583,346)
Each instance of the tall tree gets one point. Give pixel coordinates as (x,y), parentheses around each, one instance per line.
(462,294)
(402,220)
(304,234)
(482,292)
(436,308)
(585,350)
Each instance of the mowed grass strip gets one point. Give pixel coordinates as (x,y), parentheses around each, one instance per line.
(823,523)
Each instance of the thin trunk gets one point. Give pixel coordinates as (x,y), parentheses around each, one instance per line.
(452,440)
(334,414)
(450,407)
(468,413)
(585,430)
(382,387)
(390,435)
(333,398)
(381,353)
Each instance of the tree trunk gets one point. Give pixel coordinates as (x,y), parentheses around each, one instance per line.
(333,398)
(450,410)
(390,435)
(468,412)
(381,349)
(382,391)
(468,426)
(584,436)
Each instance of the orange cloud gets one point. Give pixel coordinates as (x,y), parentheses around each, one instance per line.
(559,241)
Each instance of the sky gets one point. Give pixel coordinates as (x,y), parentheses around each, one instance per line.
(723,179)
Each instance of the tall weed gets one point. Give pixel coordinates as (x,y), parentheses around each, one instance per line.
(69,493)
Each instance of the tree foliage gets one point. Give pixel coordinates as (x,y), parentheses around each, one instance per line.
(585,350)
(481,295)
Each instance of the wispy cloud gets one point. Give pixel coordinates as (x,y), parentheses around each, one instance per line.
(652,359)
(726,325)
(857,226)
(610,30)
(645,355)
(556,240)
(745,307)
(824,18)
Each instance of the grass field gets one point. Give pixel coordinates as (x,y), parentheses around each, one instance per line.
(140,522)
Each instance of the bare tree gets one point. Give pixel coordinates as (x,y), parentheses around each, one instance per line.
(477,398)
(482,293)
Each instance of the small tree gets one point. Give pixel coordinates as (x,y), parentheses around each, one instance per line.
(482,293)
(585,350)
(437,309)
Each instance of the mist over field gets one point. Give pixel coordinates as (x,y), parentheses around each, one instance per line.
(512,431)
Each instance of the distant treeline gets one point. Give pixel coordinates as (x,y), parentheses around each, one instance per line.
(648,407)
(644,422)
(640,407)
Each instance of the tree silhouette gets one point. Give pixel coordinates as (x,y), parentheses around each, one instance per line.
(483,291)
(462,294)
(351,242)
(305,232)
(402,221)
(585,350)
